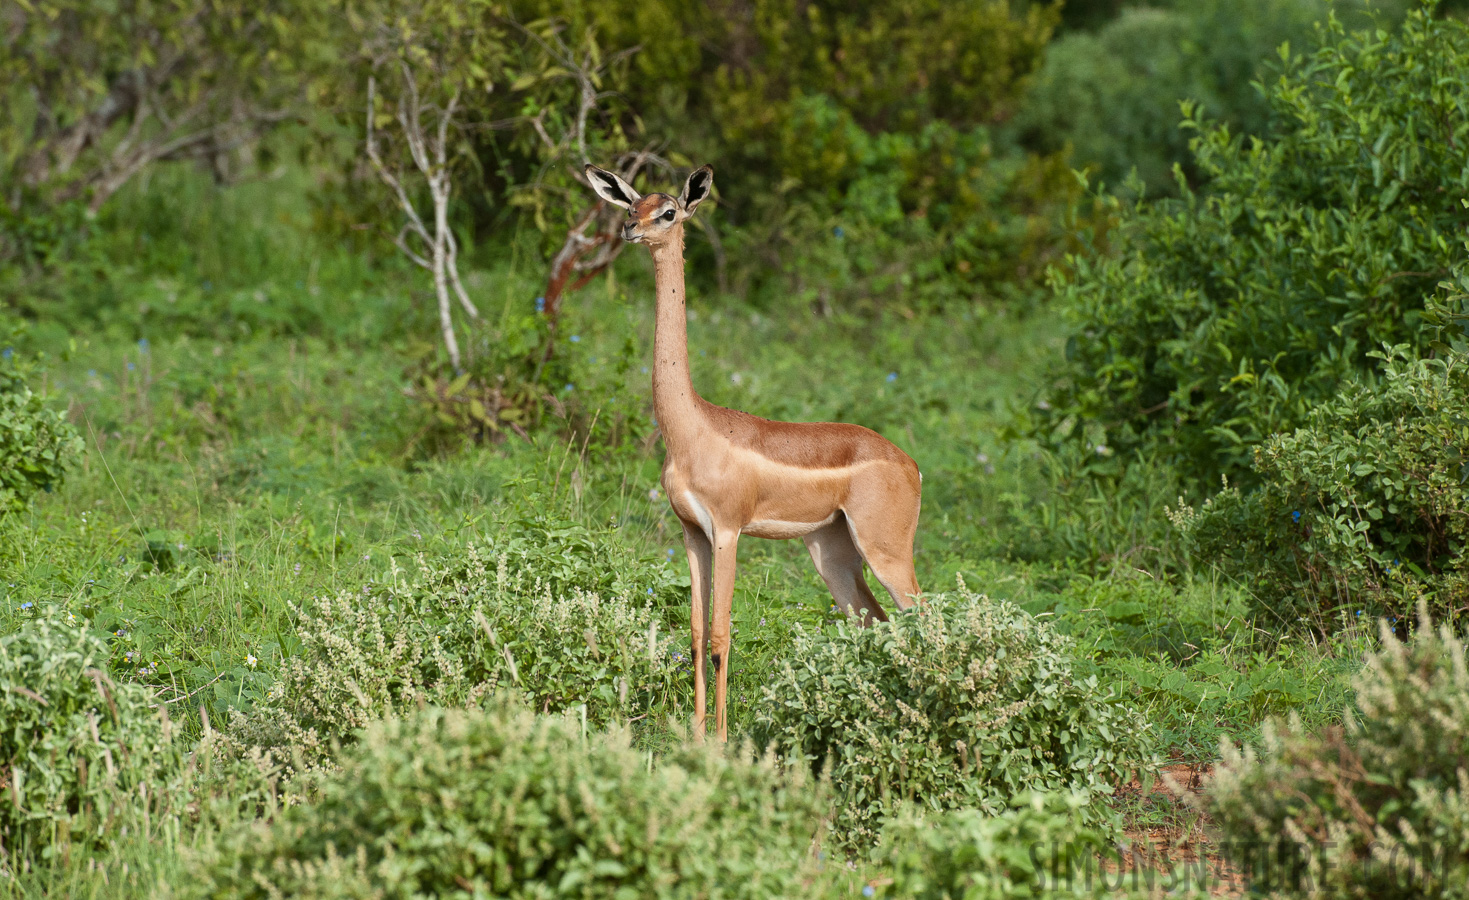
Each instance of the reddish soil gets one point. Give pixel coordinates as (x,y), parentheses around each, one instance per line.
(1179,853)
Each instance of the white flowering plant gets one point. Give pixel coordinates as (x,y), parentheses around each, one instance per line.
(961,702)
(469,624)
(502,802)
(1377,807)
(77,749)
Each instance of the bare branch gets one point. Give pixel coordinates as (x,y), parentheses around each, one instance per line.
(394,182)
(464,301)
(401,242)
(430,155)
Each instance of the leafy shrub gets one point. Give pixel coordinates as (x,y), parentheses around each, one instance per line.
(509,804)
(827,118)
(963,702)
(1364,508)
(77,750)
(1234,310)
(1376,808)
(923,218)
(1113,95)
(1021,852)
(489,617)
(37,444)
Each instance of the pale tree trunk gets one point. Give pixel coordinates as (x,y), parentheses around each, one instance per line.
(430,155)
(439,189)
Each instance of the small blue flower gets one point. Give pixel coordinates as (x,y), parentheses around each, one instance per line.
(670,553)
(540,304)
(569,387)
(868,891)
(592,360)
(645,370)
(91,373)
(142,345)
(576,339)
(839,232)
(1295,515)
(892,376)
(1359,612)
(131,366)
(27,605)
(7,352)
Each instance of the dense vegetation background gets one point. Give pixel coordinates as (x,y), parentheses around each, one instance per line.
(332,556)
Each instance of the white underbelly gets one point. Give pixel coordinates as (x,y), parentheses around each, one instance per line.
(776,530)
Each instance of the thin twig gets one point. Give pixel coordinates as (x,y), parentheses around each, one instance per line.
(186,696)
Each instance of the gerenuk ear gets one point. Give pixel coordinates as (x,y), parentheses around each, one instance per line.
(611,188)
(698,187)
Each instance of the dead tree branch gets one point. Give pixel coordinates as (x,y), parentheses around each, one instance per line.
(436,248)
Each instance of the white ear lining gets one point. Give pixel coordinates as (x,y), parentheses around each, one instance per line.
(697,188)
(611,188)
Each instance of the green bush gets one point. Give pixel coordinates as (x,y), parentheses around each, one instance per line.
(37,444)
(518,615)
(1377,808)
(506,803)
(829,120)
(1232,311)
(920,218)
(77,750)
(1039,846)
(963,702)
(1364,508)
(1112,98)
(1113,95)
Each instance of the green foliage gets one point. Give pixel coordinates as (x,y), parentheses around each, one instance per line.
(962,702)
(1112,95)
(77,749)
(1377,808)
(1185,656)
(851,142)
(913,218)
(895,66)
(91,95)
(1362,508)
(511,804)
(1021,852)
(525,615)
(862,157)
(37,444)
(1234,310)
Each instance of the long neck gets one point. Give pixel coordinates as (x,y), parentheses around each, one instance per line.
(674,401)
